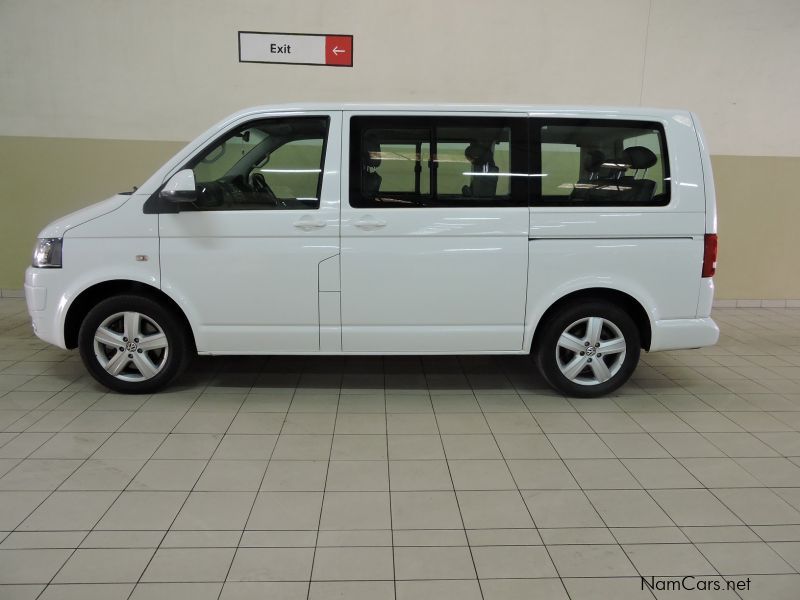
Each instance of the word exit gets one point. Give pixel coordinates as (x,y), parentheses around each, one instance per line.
(296,48)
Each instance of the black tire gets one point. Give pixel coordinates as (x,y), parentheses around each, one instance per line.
(155,319)
(575,315)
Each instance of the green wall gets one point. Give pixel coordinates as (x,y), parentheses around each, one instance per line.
(45,178)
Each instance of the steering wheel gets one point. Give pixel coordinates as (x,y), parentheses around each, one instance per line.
(260,186)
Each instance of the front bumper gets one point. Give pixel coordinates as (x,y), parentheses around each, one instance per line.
(44,311)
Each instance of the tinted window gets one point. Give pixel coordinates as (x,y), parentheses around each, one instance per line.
(601,163)
(437,162)
(266,165)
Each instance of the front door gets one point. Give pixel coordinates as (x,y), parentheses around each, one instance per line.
(434,233)
(244,259)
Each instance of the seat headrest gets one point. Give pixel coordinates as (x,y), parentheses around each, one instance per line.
(371,152)
(593,160)
(639,157)
(478,154)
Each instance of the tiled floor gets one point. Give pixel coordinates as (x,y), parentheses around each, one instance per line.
(408,478)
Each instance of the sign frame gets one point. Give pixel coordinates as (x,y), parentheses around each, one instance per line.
(279,62)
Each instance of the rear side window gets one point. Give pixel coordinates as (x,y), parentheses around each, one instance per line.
(599,163)
(398,162)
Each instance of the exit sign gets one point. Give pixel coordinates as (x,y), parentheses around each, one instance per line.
(296,48)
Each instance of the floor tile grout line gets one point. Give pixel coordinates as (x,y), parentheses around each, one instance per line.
(648,492)
(388,476)
(530,514)
(221,583)
(709,490)
(703,487)
(92,528)
(53,491)
(188,494)
(605,524)
(30,410)
(261,482)
(476,545)
(324,491)
(749,526)
(649,495)
(676,410)
(452,483)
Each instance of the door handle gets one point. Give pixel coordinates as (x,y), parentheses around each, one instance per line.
(369,223)
(307,223)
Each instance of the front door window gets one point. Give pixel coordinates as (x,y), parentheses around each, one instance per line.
(266,165)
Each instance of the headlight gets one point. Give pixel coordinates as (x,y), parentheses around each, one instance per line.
(47,253)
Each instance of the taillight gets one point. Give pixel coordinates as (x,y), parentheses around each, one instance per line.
(709,255)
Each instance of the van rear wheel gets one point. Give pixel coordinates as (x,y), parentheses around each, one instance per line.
(588,349)
(133,345)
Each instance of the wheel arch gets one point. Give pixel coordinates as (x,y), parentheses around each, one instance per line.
(89,297)
(630,304)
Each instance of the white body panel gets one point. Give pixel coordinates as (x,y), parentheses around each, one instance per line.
(426,280)
(436,280)
(667,290)
(432,279)
(59,227)
(101,245)
(249,279)
(653,254)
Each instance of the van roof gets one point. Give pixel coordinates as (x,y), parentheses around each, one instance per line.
(543,110)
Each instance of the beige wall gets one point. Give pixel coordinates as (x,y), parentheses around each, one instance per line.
(758,218)
(93,91)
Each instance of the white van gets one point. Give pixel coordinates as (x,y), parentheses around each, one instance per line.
(577,235)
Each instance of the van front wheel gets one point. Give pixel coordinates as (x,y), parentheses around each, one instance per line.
(588,349)
(133,345)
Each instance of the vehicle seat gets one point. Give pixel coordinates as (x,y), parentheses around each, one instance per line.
(483,184)
(640,159)
(592,164)
(370,161)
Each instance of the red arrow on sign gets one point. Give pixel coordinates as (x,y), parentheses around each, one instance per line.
(339,50)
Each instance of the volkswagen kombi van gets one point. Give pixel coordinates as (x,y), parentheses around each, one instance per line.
(581,236)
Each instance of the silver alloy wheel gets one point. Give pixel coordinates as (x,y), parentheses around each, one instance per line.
(131,346)
(590,351)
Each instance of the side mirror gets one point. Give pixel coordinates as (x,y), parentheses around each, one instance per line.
(181,187)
